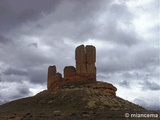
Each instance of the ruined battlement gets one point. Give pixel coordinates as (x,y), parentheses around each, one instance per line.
(85,71)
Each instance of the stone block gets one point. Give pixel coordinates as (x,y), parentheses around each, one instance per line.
(69,71)
(57,77)
(80,55)
(90,54)
(81,69)
(91,69)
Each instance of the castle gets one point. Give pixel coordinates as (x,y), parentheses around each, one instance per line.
(85,72)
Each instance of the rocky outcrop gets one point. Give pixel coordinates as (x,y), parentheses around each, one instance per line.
(85,71)
(103,86)
(74,101)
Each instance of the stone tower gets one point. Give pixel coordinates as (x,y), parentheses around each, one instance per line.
(80,56)
(85,68)
(51,72)
(53,76)
(84,74)
(85,60)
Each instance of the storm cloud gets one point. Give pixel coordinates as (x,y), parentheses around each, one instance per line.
(149,85)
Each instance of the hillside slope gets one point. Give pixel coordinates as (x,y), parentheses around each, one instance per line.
(70,103)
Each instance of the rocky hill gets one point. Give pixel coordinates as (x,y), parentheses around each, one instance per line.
(77,96)
(72,102)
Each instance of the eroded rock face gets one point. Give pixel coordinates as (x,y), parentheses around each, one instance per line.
(85,71)
(107,87)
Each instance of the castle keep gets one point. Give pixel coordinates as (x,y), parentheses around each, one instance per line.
(85,60)
(85,71)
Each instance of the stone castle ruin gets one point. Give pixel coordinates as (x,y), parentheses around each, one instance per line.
(85,71)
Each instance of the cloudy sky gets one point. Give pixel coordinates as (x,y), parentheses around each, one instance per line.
(37,33)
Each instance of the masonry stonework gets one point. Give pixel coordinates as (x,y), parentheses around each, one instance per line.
(51,73)
(69,71)
(85,60)
(90,60)
(85,71)
(80,60)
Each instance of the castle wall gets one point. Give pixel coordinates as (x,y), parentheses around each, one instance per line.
(51,73)
(80,57)
(91,59)
(69,71)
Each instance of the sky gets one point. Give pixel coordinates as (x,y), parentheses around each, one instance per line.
(35,34)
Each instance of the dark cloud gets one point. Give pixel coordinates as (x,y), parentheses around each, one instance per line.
(74,20)
(38,75)
(116,26)
(147,57)
(1,79)
(120,59)
(128,75)
(3,40)
(125,84)
(33,44)
(15,71)
(16,12)
(23,57)
(150,85)
(78,11)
